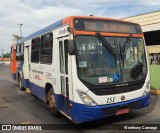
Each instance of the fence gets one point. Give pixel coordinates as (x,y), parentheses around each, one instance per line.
(155,79)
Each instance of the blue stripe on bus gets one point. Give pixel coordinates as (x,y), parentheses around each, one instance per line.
(66,108)
(25,82)
(84,113)
(81,113)
(38,91)
(42,31)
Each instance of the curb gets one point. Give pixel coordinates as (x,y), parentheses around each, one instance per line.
(155,91)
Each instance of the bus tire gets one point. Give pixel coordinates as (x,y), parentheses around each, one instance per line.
(52,102)
(20,84)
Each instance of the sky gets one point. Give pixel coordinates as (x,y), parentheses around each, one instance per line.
(37,14)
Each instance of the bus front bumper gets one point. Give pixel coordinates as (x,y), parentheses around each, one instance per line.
(83,113)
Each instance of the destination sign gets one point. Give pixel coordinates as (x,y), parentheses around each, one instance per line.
(106,26)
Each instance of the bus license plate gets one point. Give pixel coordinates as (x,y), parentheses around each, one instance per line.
(122,111)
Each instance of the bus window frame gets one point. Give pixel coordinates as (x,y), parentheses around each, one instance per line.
(21,53)
(50,47)
(35,50)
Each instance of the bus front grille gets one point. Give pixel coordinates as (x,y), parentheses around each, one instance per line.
(116,90)
(112,110)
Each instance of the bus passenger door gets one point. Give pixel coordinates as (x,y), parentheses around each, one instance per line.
(26,63)
(64,78)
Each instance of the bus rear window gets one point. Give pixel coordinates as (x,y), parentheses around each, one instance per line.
(106,26)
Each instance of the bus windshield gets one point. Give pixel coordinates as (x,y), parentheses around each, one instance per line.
(122,61)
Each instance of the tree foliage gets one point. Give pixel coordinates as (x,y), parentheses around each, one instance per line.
(7,55)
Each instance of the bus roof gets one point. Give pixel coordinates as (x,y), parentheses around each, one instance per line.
(61,22)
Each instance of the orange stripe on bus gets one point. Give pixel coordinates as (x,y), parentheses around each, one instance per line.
(106,34)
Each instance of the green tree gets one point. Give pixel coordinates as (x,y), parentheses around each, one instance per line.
(7,55)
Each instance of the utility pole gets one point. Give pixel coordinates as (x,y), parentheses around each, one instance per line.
(20,26)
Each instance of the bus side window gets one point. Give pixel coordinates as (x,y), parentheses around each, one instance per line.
(20,48)
(66,55)
(46,49)
(35,50)
(21,57)
(61,57)
(17,52)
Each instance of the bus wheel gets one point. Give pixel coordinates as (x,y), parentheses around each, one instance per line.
(52,102)
(20,84)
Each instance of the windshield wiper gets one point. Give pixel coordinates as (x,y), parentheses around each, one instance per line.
(125,47)
(136,71)
(106,44)
(126,44)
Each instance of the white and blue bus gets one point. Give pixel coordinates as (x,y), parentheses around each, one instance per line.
(86,67)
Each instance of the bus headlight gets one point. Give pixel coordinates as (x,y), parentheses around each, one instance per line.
(147,89)
(86,99)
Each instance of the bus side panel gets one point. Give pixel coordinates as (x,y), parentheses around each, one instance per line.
(38,91)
